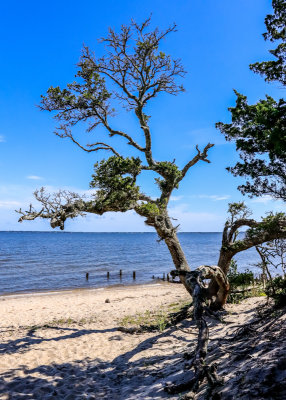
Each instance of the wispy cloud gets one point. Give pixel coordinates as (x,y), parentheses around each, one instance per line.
(196,221)
(269,201)
(176,198)
(263,199)
(2,139)
(9,204)
(204,135)
(214,197)
(34,177)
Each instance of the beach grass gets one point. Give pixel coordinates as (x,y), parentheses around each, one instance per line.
(157,320)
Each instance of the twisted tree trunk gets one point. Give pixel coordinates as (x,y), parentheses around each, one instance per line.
(167,232)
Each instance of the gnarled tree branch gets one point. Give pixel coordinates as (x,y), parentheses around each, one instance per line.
(66,133)
(200,156)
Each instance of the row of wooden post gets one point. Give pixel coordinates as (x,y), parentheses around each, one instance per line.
(108,275)
(133,275)
(164,277)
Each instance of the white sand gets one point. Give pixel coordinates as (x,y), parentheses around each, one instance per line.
(77,351)
(93,336)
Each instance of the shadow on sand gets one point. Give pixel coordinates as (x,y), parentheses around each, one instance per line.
(120,379)
(255,366)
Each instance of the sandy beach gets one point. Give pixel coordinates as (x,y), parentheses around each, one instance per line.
(71,345)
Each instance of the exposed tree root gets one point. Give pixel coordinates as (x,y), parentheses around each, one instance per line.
(202,371)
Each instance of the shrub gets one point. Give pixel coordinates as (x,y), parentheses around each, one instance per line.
(237,279)
(277,291)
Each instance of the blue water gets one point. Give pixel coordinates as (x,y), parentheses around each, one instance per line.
(31,261)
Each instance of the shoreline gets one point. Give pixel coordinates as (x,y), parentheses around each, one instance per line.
(100,307)
(47,292)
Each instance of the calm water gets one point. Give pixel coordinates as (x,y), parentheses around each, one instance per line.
(32,261)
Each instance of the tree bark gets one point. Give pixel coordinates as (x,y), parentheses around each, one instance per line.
(167,232)
(217,294)
(179,258)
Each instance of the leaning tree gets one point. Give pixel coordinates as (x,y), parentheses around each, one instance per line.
(132,73)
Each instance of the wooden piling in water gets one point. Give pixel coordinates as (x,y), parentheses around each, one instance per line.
(120,272)
(87,276)
(107,275)
(134,275)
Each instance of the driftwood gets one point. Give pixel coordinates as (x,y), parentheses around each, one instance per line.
(195,281)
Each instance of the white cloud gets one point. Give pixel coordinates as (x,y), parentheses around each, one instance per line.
(9,204)
(196,221)
(34,177)
(176,198)
(263,199)
(214,197)
(2,139)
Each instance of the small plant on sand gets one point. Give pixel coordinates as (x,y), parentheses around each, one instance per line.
(149,320)
(157,320)
(60,322)
(162,320)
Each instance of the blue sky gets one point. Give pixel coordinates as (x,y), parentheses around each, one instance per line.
(40,46)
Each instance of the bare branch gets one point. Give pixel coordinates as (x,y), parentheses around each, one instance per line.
(66,133)
(131,142)
(200,156)
(144,197)
(147,134)
(57,207)
(60,206)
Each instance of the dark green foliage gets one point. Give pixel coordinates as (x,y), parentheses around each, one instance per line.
(79,101)
(237,279)
(148,209)
(271,224)
(275,70)
(277,291)
(171,173)
(260,134)
(238,210)
(259,130)
(116,180)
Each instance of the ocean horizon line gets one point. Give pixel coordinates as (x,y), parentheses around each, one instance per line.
(14,231)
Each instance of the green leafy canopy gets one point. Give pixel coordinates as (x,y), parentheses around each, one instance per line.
(259,130)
